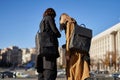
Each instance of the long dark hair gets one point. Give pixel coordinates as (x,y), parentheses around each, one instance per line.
(50,12)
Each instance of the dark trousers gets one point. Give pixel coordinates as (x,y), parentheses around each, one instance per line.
(48,75)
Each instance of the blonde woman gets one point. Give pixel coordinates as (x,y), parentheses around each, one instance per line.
(77,66)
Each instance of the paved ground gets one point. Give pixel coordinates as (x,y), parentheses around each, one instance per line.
(35,77)
(31,72)
(58,79)
(28,79)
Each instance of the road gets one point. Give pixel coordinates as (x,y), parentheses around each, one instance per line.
(29,72)
(35,77)
(59,79)
(28,79)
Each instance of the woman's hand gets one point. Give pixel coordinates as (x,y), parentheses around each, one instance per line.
(67,55)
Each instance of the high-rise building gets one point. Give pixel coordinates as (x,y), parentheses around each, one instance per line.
(105,49)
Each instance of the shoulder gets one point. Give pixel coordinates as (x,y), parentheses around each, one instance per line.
(48,18)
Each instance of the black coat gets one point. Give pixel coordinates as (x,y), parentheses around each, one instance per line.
(49,26)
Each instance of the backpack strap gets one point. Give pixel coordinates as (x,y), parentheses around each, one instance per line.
(83,25)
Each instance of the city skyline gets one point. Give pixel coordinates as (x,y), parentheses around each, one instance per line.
(19,19)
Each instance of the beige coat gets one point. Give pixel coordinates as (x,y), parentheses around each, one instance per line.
(76,67)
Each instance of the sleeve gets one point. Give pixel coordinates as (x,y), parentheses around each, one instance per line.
(53,27)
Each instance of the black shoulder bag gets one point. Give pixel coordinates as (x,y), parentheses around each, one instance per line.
(47,47)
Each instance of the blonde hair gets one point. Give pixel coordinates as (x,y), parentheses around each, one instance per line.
(64,19)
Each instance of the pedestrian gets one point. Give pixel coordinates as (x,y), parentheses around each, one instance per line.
(47,64)
(77,63)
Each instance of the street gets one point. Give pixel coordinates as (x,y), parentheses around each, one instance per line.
(60,77)
(102,78)
(28,79)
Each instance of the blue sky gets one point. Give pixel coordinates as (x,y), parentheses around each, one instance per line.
(19,19)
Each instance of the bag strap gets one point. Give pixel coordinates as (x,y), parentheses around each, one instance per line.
(43,25)
(83,25)
(72,32)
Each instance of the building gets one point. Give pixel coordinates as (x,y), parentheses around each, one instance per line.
(105,49)
(15,56)
(61,62)
(11,56)
(37,46)
(28,54)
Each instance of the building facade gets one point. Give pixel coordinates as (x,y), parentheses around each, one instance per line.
(61,62)
(105,49)
(11,56)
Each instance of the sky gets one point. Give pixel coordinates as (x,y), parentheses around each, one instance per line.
(19,19)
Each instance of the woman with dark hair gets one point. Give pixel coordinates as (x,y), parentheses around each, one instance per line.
(46,65)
